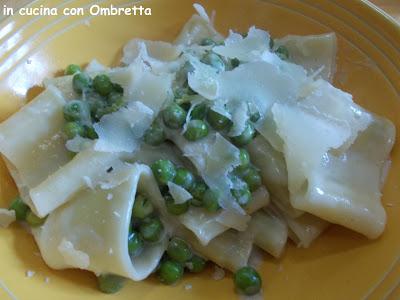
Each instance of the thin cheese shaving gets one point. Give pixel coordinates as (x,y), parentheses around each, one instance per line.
(178,193)
(121,131)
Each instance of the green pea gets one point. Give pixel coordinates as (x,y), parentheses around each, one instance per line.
(174,208)
(214,60)
(95,102)
(217,121)
(142,207)
(242,195)
(118,88)
(114,102)
(282,52)
(115,97)
(110,284)
(245,137)
(90,133)
(102,84)
(164,171)
(247,281)
(135,244)
(184,178)
(235,63)
(196,264)
(72,69)
(207,42)
(210,200)
(254,117)
(33,220)
(170,272)
(196,130)
(72,129)
(154,135)
(76,110)
(20,208)
(244,157)
(151,229)
(179,250)
(81,82)
(251,176)
(174,116)
(197,191)
(199,112)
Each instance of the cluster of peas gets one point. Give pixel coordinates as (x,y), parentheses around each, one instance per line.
(101,96)
(203,196)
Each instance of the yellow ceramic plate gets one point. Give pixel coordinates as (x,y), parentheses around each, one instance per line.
(340,265)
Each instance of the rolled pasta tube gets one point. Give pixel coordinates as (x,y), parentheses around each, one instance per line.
(91,231)
(31,141)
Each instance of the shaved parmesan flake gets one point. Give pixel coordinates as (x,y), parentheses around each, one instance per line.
(95,67)
(195,30)
(202,12)
(78,144)
(178,193)
(140,84)
(6,217)
(72,256)
(303,151)
(203,79)
(250,48)
(214,157)
(339,105)
(158,50)
(312,52)
(240,116)
(261,84)
(121,131)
